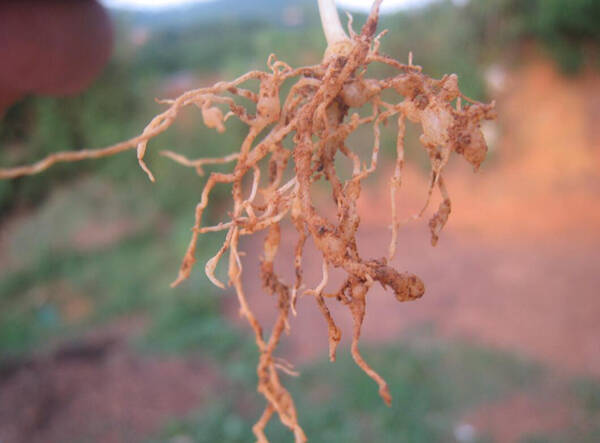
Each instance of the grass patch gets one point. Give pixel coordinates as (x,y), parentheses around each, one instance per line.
(56,286)
(433,384)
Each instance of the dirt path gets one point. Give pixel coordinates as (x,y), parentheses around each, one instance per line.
(98,390)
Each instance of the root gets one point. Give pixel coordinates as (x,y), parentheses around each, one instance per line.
(259,427)
(357,306)
(182,160)
(334,333)
(395,185)
(319,113)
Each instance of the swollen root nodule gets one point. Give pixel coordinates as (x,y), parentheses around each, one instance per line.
(319,114)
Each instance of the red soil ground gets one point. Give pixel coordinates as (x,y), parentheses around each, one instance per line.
(98,390)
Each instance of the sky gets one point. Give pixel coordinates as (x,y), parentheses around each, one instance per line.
(386,7)
(350,5)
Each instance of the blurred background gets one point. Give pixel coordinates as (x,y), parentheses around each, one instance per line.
(505,344)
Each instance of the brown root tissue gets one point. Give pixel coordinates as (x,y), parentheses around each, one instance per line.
(319,115)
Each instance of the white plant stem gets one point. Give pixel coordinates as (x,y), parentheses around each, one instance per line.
(334,33)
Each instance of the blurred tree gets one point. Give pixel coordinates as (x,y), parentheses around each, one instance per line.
(566,29)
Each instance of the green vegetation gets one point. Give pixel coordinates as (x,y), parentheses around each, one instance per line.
(66,256)
(568,31)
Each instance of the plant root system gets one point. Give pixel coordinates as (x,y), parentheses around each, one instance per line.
(318,114)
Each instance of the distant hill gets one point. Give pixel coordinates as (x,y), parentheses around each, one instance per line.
(222,11)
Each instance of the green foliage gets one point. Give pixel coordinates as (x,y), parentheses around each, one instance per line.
(190,322)
(91,244)
(565,28)
(568,30)
(587,391)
